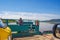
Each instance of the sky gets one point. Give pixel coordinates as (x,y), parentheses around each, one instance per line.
(30,9)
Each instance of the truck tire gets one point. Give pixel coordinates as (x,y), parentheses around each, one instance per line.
(54,30)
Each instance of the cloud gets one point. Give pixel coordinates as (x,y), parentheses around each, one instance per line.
(27,15)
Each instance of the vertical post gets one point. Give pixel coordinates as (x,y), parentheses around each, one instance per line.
(7,21)
(10,38)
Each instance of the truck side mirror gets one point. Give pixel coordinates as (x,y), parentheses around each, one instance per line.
(56,30)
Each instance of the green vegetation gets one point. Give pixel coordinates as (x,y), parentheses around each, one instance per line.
(9,20)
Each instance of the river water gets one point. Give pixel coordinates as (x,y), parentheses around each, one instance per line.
(44,26)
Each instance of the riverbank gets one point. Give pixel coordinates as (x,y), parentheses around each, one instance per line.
(38,37)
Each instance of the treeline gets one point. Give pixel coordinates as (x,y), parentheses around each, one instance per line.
(9,20)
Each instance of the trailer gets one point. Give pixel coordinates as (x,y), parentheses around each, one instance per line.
(27,28)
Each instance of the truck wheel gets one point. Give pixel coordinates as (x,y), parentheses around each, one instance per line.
(54,30)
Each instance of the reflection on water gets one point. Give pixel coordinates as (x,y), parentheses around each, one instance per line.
(44,26)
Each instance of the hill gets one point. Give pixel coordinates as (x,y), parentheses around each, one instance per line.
(55,21)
